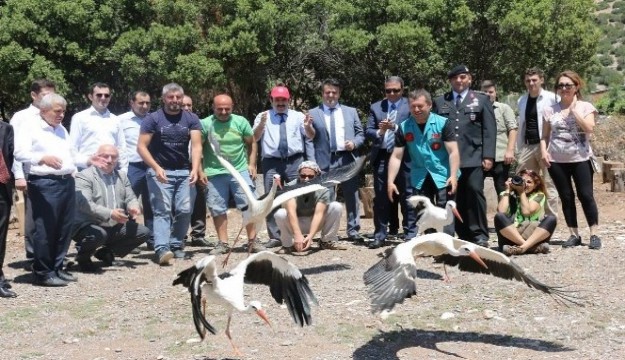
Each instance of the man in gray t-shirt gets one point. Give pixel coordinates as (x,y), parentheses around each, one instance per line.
(301,218)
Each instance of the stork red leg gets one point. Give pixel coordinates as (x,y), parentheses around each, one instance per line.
(225,262)
(234,347)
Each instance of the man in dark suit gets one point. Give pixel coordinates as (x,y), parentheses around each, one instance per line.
(6,184)
(384,118)
(476,131)
(338,133)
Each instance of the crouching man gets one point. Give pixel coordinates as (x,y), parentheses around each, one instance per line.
(301,218)
(105,224)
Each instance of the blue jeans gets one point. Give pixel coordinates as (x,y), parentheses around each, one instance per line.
(171,207)
(138,182)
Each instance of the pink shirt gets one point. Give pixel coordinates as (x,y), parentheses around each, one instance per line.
(568,143)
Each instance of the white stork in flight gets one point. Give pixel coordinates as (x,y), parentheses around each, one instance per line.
(432,216)
(392,279)
(286,284)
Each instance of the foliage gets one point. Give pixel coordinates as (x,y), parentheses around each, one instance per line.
(243,47)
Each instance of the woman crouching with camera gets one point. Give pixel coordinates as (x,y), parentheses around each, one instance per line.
(521,224)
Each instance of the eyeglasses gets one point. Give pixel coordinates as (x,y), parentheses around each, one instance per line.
(305,177)
(392,91)
(565,86)
(103,95)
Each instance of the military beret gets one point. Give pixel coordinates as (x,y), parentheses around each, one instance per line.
(457,70)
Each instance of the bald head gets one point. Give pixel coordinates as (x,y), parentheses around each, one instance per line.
(108,157)
(222,106)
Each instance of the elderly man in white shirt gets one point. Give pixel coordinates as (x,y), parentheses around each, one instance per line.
(96,126)
(51,190)
(38,90)
(131,123)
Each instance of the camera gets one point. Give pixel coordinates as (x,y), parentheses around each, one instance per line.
(517,180)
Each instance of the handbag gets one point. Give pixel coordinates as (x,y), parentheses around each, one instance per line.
(527,227)
(595,164)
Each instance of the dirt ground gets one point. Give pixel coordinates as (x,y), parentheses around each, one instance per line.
(133,312)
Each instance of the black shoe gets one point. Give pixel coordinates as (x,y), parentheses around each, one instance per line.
(51,281)
(482,243)
(64,275)
(5,292)
(87,266)
(572,241)
(595,243)
(135,251)
(357,238)
(150,246)
(200,242)
(376,243)
(272,243)
(105,255)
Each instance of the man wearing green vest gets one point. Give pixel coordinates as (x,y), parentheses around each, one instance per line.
(433,150)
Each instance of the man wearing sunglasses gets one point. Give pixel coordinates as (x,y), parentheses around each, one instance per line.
(301,218)
(384,118)
(97,126)
(531,107)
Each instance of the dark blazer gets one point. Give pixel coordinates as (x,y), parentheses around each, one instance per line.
(8,145)
(91,198)
(474,126)
(378,112)
(353,132)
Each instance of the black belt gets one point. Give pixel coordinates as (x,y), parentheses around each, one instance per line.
(532,141)
(51,177)
(339,153)
(288,158)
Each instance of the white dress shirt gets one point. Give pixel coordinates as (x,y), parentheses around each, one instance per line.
(462,95)
(40,140)
(17,121)
(339,125)
(90,129)
(131,124)
(271,135)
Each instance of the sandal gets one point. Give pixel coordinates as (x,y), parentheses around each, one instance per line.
(512,250)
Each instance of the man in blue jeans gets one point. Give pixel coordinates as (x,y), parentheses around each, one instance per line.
(164,146)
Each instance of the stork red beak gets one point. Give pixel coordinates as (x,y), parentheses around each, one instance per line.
(263,315)
(477,258)
(457,214)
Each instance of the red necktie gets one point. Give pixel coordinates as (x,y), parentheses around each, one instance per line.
(5,176)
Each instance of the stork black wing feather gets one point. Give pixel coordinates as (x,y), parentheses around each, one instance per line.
(389,284)
(187,278)
(332,176)
(286,284)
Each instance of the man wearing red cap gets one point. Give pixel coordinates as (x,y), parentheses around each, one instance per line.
(475,130)
(285,137)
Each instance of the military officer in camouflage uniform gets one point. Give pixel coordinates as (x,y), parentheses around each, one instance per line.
(475,131)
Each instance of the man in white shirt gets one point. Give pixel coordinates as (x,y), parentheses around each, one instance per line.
(131,123)
(96,126)
(38,90)
(531,107)
(51,190)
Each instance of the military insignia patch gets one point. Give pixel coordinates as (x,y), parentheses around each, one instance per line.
(409,136)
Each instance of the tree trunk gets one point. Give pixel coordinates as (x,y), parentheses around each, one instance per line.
(366,197)
(607,167)
(618,179)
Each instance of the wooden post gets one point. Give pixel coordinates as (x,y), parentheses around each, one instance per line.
(366,197)
(607,167)
(618,180)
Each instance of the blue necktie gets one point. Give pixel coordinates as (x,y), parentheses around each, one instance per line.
(332,131)
(283,145)
(458,101)
(389,136)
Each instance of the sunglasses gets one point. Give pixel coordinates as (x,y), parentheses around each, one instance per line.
(565,86)
(304,176)
(392,91)
(103,96)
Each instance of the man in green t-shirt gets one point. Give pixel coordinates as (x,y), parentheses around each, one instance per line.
(236,144)
(301,218)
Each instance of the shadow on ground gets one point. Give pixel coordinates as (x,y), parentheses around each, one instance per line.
(324,268)
(385,346)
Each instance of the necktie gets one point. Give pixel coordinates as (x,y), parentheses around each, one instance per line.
(332,131)
(283,146)
(389,136)
(4,170)
(458,101)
